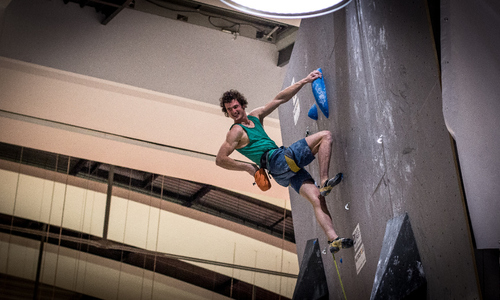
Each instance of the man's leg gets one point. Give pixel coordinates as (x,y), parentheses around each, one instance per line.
(320,144)
(310,191)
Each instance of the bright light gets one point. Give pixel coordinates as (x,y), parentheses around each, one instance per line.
(287,8)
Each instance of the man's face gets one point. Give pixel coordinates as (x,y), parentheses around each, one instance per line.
(235,110)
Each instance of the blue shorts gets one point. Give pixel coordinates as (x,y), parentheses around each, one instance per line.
(280,171)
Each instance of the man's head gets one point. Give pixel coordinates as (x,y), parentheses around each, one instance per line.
(228,97)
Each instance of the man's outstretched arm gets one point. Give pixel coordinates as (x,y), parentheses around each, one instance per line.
(224,161)
(284,96)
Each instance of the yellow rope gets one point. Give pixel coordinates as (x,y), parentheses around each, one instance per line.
(340,279)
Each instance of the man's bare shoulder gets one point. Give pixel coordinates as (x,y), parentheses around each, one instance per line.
(237,136)
(235,132)
(258,113)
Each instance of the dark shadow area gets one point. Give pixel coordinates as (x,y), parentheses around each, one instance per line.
(15,288)
(488,269)
(435,18)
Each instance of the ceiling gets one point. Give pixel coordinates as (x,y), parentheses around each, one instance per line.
(211,14)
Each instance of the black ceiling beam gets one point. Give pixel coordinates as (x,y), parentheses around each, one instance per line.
(277,222)
(225,285)
(78,167)
(84,3)
(95,167)
(198,195)
(116,12)
(146,183)
(109,8)
(284,55)
(173,195)
(106,3)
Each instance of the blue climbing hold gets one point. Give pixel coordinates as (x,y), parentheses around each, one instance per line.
(319,92)
(313,112)
(341,260)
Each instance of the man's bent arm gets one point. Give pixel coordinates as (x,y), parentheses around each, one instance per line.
(224,161)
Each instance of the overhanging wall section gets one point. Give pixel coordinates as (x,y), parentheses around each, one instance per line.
(390,140)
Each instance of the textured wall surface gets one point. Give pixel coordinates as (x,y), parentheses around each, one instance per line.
(390,140)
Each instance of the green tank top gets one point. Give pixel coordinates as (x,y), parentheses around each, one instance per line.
(259,143)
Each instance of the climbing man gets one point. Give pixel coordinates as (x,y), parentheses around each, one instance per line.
(285,164)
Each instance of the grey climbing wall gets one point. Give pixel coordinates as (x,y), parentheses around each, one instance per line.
(390,140)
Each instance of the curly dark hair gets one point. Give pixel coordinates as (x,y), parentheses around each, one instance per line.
(229,96)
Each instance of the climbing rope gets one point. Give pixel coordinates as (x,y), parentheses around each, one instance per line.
(338,273)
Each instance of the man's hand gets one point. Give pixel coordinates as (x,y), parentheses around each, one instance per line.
(312,76)
(254,168)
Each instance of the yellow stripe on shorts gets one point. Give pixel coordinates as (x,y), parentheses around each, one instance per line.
(291,163)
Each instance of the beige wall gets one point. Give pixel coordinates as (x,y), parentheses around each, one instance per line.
(80,116)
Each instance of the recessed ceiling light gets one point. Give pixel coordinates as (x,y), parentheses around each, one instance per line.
(287,9)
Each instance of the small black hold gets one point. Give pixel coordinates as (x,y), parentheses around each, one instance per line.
(408,150)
